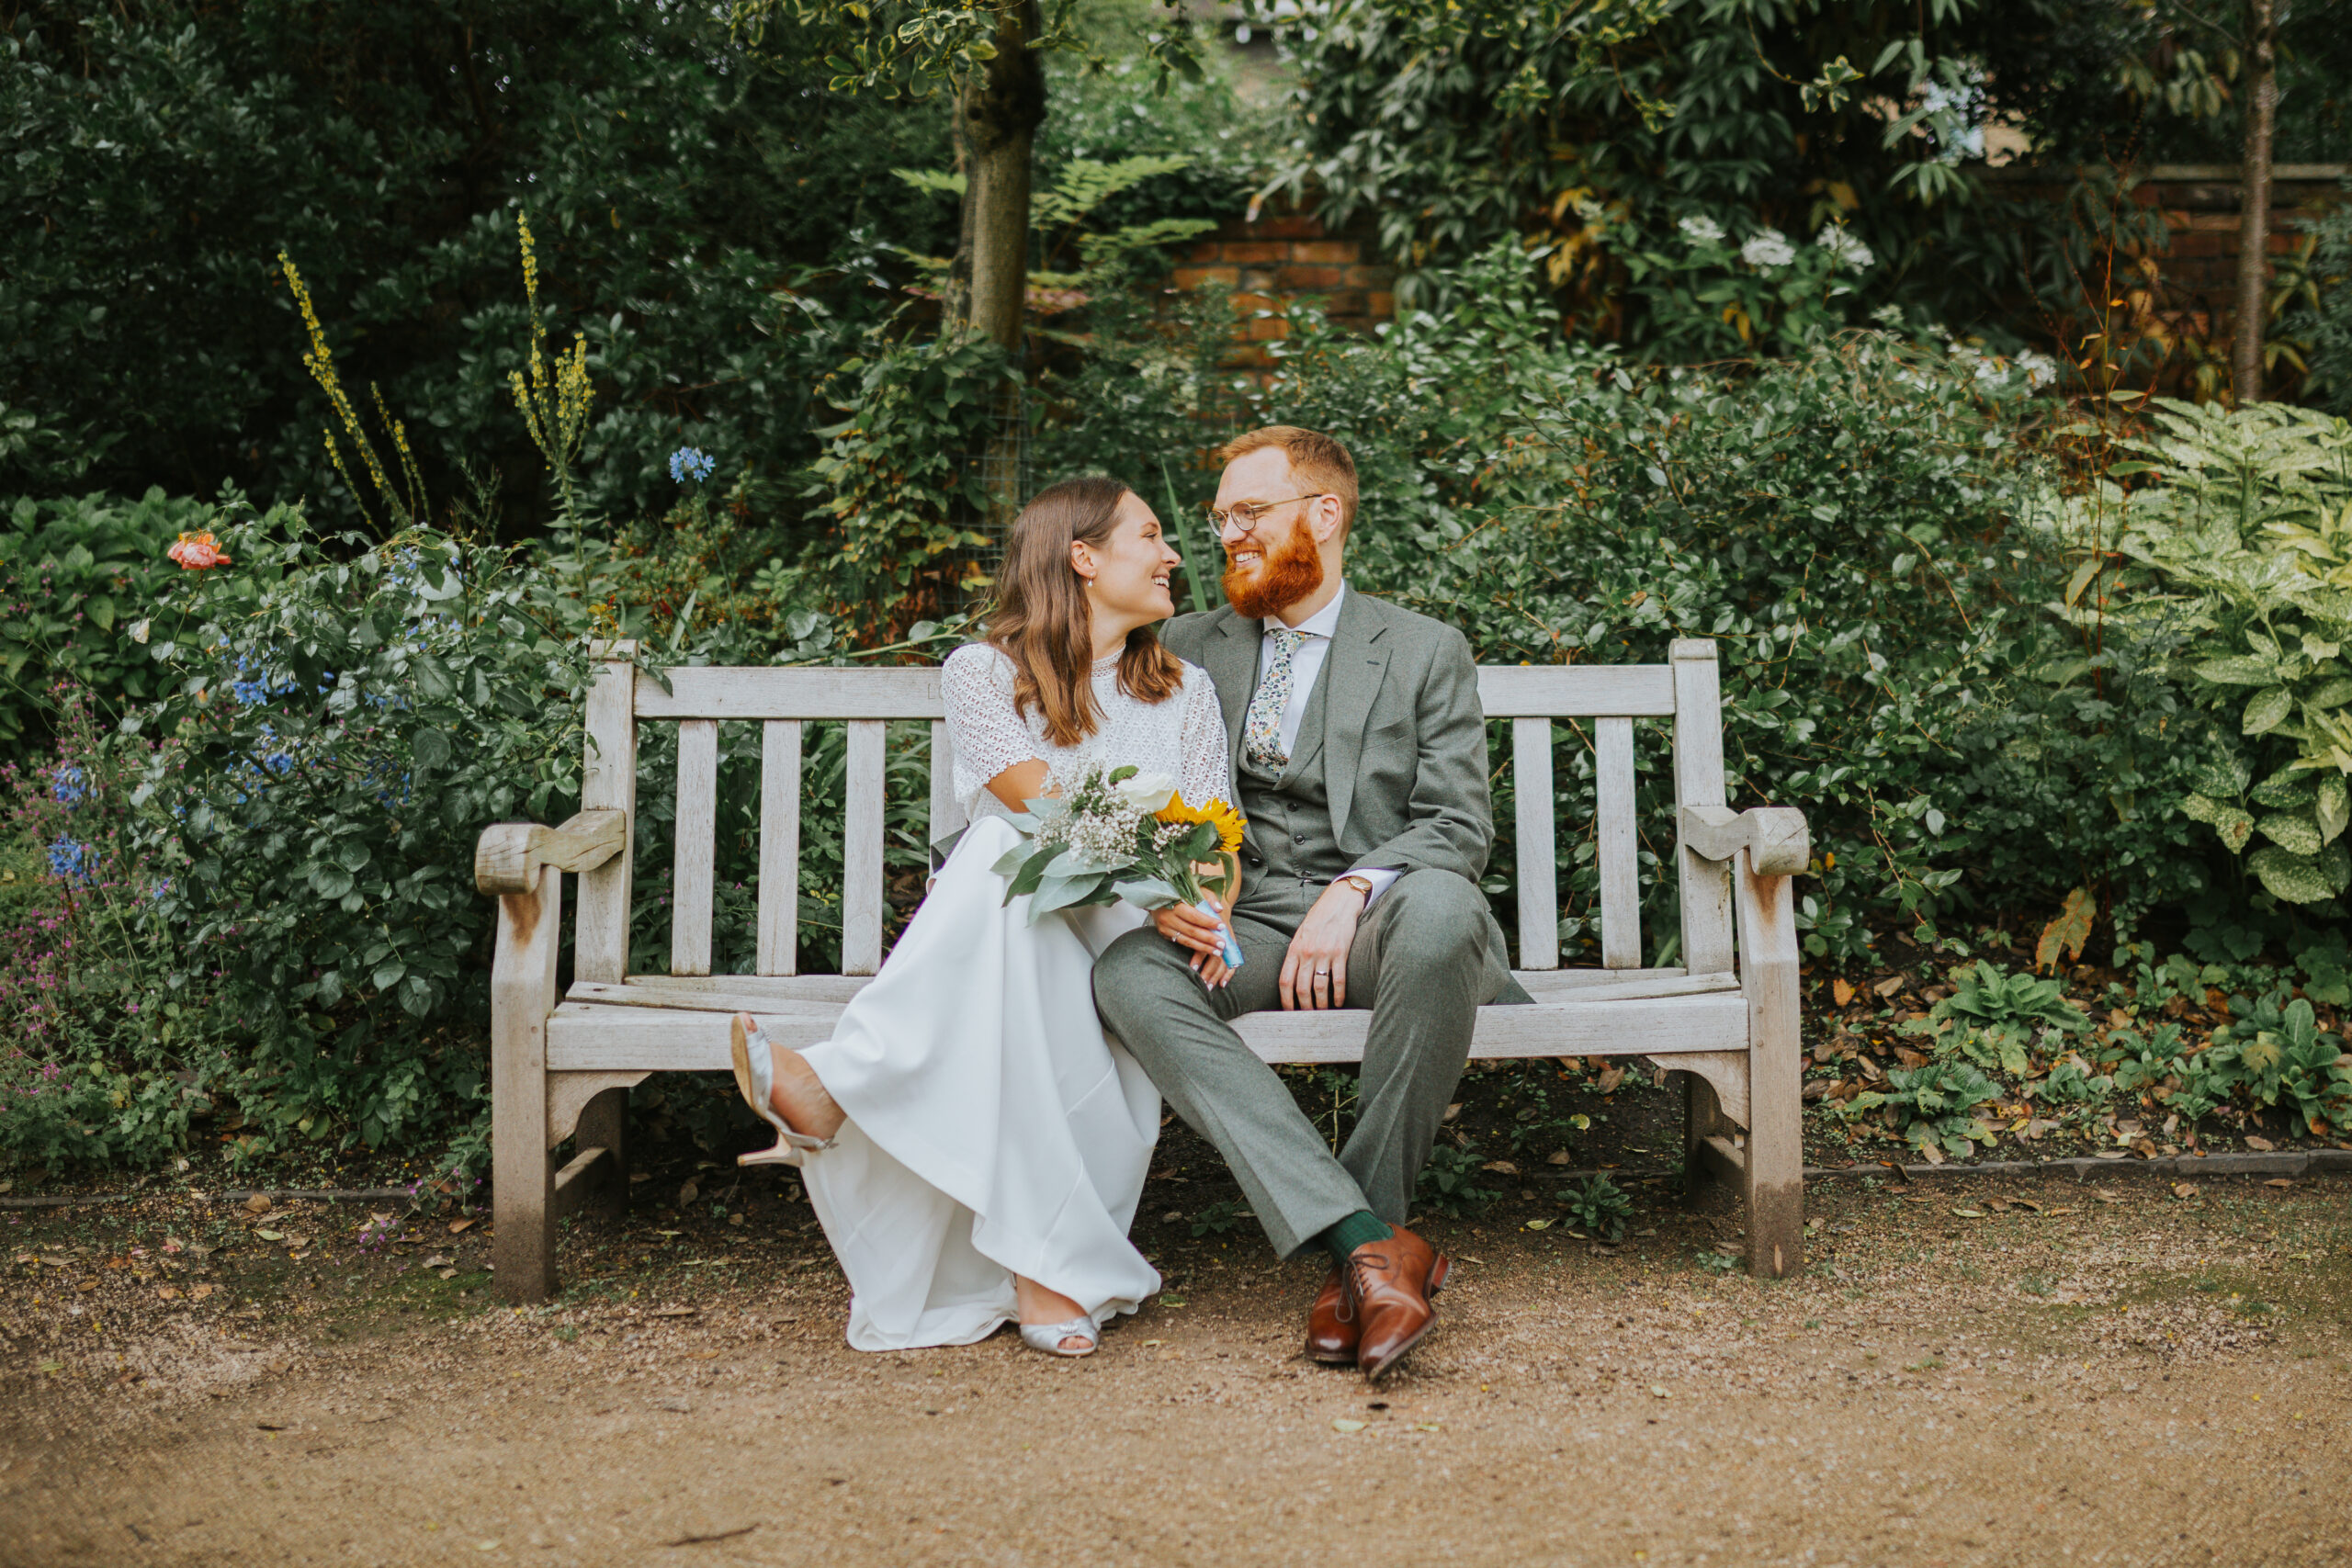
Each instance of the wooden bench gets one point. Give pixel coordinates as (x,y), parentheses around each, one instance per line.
(565,1064)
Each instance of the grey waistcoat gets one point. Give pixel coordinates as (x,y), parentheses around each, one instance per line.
(1290,831)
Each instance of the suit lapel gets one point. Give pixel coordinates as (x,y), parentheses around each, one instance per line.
(1354,667)
(1231,660)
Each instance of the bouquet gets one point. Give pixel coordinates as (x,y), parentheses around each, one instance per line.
(1120,834)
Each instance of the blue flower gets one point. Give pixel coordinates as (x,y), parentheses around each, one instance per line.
(72,861)
(692,463)
(69,786)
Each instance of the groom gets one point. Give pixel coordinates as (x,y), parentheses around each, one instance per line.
(1360,757)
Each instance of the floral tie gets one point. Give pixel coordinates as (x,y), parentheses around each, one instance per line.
(1261,731)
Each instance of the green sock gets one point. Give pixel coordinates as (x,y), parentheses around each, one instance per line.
(1343,1239)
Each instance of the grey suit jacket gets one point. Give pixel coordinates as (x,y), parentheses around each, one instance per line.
(1405,739)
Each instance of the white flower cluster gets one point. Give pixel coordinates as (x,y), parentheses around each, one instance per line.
(1101,817)
(1702,230)
(2041,370)
(1767,248)
(1844,249)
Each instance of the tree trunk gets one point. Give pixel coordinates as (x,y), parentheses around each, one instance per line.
(2254,205)
(998,115)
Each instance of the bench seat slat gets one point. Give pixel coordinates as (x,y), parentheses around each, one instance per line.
(589,1036)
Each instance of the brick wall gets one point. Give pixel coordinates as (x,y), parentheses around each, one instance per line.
(1282,255)
(2200,207)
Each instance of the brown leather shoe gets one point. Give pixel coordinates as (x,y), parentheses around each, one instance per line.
(1333,1327)
(1386,1289)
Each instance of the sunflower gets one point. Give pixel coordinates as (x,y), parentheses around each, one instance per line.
(1228,821)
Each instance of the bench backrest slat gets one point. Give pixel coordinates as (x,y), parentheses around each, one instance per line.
(862,851)
(778,948)
(693,880)
(1620,888)
(608,781)
(698,693)
(1699,781)
(1576,690)
(1539,886)
(1533,697)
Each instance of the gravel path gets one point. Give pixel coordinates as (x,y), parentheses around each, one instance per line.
(2121,1375)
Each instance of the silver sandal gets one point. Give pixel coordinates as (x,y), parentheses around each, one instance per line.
(756,1080)
(1049,1337)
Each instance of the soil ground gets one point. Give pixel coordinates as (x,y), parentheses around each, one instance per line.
(1970,1370)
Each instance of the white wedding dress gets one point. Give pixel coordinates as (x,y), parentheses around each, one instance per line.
(993,1129)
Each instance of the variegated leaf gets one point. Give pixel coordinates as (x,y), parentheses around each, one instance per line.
(2333,808)
(2266,710)
(2295,879)
(2240,669)
(2294,832)
(2236,825)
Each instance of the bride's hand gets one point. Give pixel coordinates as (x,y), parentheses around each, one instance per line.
(1189,927)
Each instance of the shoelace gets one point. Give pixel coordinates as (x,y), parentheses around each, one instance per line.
(1353,1285)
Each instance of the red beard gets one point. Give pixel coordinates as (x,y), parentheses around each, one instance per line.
(1285,573)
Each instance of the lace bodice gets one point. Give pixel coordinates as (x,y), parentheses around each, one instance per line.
(1183,737)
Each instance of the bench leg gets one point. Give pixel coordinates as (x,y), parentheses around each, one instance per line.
(1774,1174)
(604,1124)
(522,995)
(1703,1118)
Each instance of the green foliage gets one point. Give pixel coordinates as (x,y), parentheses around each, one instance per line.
(2274,1054)
(340,728)
(1932,1107)
(2238,547)
(85,583)
(1449,1182)
(2323,323)
(1995,1019)
(1599,1207)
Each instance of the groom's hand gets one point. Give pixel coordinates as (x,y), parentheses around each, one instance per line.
(1315,970)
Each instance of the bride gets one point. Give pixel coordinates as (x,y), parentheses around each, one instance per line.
(973,1144)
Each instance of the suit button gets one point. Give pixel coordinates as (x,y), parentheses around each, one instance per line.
(1298,837)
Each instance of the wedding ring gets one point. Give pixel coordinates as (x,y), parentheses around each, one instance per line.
(1320,973)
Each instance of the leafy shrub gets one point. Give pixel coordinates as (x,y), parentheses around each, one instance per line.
(1932,1107)
(1449,1182)
(1599,1207)
(2237,547)
(338,733)
(100,1065)
(2278,1056)
(1995,1019)
(83,583)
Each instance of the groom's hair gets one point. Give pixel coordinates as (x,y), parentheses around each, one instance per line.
(1317,462)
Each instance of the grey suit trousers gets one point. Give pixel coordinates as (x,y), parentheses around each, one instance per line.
(1423,966)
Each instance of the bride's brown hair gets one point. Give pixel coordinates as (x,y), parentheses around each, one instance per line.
(1041,621)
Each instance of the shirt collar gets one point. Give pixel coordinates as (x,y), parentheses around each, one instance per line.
(1324,623)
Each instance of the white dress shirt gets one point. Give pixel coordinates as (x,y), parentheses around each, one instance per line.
(1306,664)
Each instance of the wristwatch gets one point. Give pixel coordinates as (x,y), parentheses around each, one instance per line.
(1360,883)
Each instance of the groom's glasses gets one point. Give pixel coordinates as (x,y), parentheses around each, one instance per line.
(1245,515)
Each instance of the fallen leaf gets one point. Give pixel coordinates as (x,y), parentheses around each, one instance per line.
(198,1292)
(1539,1224)
(2184,1189)
(1660,1390)
(1452,1111)
(271,1235)
(2025,1203)
(1969,1214)
(456,1225)
(704,1355)
(168,1292)
(1500,1168)
(1843,990)
(2264,1144)
(447,1273)
(258,1204)
(1889,986)
(1609,1079)
(1427,1427)
(437,1261)
(675,1311)
(1557,1156)
(688,1193)
(2069,932)
(2278,1181)
(87,1285)
(1344,1424)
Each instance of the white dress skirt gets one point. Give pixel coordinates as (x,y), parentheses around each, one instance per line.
(993,1129)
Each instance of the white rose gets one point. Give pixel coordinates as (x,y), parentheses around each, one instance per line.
(1145,792)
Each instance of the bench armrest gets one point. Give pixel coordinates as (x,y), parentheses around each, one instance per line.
(1775,836)
(508,858)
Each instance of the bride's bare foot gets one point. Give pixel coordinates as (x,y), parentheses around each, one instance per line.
(1040,1305)
(799,1094)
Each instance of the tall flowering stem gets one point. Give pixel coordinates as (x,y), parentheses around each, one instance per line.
(404,503)
(554,397)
